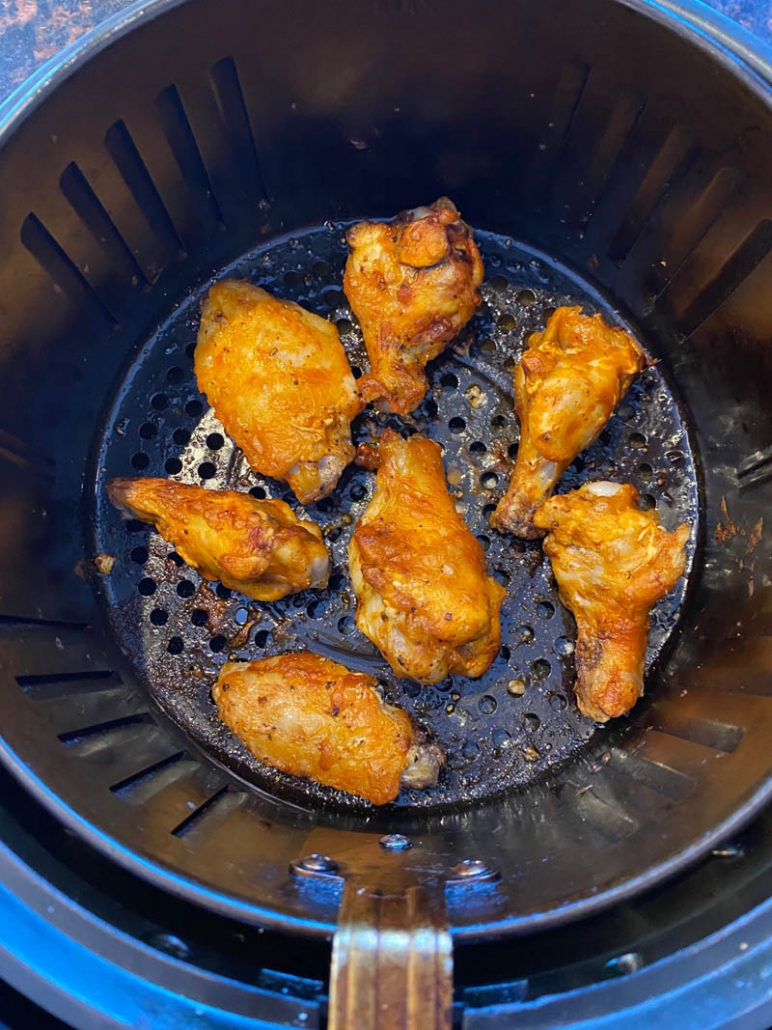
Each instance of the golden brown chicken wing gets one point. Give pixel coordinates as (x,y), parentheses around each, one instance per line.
(260,548)
(412,283)
(567,385)
(309,716)
(612,562)
(280,383)
(424,596)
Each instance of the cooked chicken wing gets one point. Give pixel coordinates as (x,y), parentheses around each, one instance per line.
(567,385)
(260,548)
(424,596)
(309,716)
(412,283)
(280,383)
(612,562)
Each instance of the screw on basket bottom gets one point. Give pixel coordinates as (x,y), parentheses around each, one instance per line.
(498,732)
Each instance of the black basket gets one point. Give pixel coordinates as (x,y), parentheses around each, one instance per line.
(623,161)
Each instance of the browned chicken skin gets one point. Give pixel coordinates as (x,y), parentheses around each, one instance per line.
(309,716)
(279,381)
(260,548)
(612,562)
(424,597)
(412,283)
(567,385)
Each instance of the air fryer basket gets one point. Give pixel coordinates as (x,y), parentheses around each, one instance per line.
(620,160)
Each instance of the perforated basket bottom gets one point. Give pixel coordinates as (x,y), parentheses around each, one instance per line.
(498,732)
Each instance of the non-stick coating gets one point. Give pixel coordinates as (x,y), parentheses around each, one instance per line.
(498,732)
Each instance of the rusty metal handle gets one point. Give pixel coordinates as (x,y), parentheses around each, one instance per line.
(392,961)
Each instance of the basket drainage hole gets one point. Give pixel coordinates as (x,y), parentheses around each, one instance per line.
(501,738)
(646,471)
(175,374)
(200,617)
(148,430)
(506,322)
(194,408)
(485,541)
(499,283)
(181,437)
(175,645)
(139,461)
(457,425)
(526,298)
(146,587)
(218,643)
(541,669)
(223,593)
(637,441)
(207,470)
(545,609)
(159,401)
(258,492)
(185,588)
(173,466)
(345,625)
(531,722)
(261,638)
(564,646)
(214,441)
(477,447)
(487,704)
(139,555)
(498,422)
(334,297)
(647,502)
(240,616)
(489,480)
(159,617)
(449,381)
(320,268)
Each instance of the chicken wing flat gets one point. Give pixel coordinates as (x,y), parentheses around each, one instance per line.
(412,283)
(423,592)
(309,716)
(612,562)
(280,383)
(260,548)
(567,385)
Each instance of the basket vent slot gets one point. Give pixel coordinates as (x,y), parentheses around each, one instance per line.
(88,206)
(235,117)
(56,684)
(671,157)
(149,780)
(746,258)
(62,269)
(123,151)
(183,144)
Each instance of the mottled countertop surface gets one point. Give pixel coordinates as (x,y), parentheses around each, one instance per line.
(33,31)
